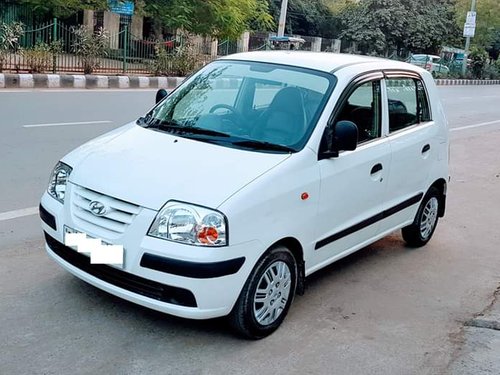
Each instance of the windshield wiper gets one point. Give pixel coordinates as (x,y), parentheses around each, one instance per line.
(174,127)
(259,145)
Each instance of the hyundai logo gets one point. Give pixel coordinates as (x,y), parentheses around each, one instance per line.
(98,208)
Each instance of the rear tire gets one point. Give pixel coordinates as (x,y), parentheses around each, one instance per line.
(421,230)
(266,296)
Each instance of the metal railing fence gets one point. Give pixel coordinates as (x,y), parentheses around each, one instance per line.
(49,48)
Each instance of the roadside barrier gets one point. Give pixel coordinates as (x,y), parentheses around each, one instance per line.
(47,81)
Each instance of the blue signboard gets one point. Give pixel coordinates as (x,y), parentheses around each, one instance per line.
(125,7)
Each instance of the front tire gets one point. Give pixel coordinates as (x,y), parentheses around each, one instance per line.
(421,230)
(267,295)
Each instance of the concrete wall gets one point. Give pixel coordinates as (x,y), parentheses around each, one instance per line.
(136,27)
(243,42)
(88,19)
(112,25)
(316,44)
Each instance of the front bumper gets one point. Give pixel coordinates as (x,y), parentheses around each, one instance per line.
(181,280)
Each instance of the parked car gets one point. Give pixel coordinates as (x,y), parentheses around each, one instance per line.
(431,63)
(286,42)
(259,170)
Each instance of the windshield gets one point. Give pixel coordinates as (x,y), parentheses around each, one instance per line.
(248,105)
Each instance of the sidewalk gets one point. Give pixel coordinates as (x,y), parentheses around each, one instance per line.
(480,352)
(56,81)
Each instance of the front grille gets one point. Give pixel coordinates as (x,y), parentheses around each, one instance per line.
(122,279)
(119,215)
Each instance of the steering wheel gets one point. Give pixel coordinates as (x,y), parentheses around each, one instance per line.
(239,125)
(225,106)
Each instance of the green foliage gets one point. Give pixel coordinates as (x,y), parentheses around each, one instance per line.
(38,58)
(383,25)
(487,20)
(64,8)
(90,46)
(309,17)
(479,60)
(9,39)
(496,66)
(9,35)
(179,62)
(217,18)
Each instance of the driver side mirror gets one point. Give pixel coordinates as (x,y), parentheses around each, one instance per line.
(344,137)
(160,95)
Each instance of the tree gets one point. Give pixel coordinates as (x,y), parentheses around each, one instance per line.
(308,17)
(382,26)
(64,8)
(487,33)
(216,18)
(487,21)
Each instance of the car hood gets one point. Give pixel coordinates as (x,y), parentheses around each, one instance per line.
(149,168)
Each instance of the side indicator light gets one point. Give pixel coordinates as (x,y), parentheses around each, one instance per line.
(304,196)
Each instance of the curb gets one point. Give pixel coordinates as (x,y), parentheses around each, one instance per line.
(76,81)
(56,81)
(470,82)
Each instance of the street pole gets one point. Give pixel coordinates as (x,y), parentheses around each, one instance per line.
(125,47)
(467,42)
(281,26)
(54,40)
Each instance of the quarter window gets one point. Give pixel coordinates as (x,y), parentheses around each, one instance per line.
(408,104)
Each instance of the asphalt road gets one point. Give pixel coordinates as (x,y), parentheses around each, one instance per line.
(385,310)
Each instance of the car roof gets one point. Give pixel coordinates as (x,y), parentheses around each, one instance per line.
(323,61)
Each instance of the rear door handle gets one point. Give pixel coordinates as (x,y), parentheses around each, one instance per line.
(426,148)
(376,168)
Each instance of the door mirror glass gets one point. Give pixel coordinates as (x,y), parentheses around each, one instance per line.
(342,137)
(160,95)
(345,136)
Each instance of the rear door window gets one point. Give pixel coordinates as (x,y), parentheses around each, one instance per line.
(407,102)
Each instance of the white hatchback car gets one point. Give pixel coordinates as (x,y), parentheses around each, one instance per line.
(257,171)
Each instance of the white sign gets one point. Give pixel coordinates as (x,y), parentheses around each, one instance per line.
(469,30)
(471,18)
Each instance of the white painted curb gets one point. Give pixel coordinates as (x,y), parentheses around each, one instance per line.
(53,81)
(26,81)
(79,81)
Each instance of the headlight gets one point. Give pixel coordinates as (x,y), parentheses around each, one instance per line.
(190,224)
(58,181)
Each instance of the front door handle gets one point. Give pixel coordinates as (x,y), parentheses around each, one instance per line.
(426,148)
(376,168)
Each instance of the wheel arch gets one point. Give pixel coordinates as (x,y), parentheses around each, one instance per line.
(441,186)
(297,250)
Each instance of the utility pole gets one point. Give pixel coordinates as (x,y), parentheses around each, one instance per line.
(281,26)
(467,40)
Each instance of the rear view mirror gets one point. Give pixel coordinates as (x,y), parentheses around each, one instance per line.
(160,95)
(342,137)
(346,136)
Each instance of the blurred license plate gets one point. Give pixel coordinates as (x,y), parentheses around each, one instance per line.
(99,251)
